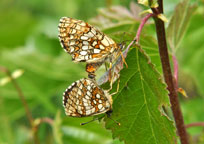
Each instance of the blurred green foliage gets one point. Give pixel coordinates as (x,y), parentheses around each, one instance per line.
(28,41)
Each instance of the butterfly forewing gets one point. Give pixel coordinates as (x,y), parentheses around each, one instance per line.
(84,42)
(85,98)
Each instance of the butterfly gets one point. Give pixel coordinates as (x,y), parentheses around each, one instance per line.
(85,98)
(86,43)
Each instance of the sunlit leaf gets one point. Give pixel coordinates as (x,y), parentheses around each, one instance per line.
(137,105)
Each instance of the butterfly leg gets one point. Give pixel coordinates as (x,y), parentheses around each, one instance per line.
(118,86)
(111,76)
(123,59)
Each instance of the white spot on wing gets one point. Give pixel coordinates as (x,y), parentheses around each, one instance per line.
(85,47)
(94,43)
(102,109)
(85,104)
(84,38)
(88,112)
(88,87)
(79,108)
(85,100)
(72,42)
(100,106)
(90,34)
(77,102)
(73,31)
(79,92)
(105,42)
(94,101)
(87,97)
(81,86)
(109,40)
(92,110)
(86,57)
(97,50)
(98,96)
(71,49)
(71,37)
(78,27)
(93,31)
(88,93)
(82,24)
(85,43)
(101,46)
(83,52)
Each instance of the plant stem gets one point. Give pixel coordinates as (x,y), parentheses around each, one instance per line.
(139,30)
(22,98)
(47,120)
(195,124)
(175,63)
(164,56)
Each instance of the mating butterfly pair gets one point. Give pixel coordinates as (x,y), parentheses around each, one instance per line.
(87,44)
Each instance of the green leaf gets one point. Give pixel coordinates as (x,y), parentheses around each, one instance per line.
(91,133)
(179,23)
(149,45)
(138,104)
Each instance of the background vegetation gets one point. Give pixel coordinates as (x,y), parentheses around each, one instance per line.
(29,42)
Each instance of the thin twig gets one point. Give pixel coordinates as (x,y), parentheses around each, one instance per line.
(47,120)
(39,121)
(195,124)
(22,98)
(164,56)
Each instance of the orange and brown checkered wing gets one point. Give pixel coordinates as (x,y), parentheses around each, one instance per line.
(84,98)
(84,42)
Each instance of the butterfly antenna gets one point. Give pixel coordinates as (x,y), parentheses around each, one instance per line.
(109,116)
(89,121)
(115,121)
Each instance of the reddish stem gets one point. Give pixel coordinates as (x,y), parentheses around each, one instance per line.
(46,120)
(175,63)
(164,56)
(139,30)
(195,124)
